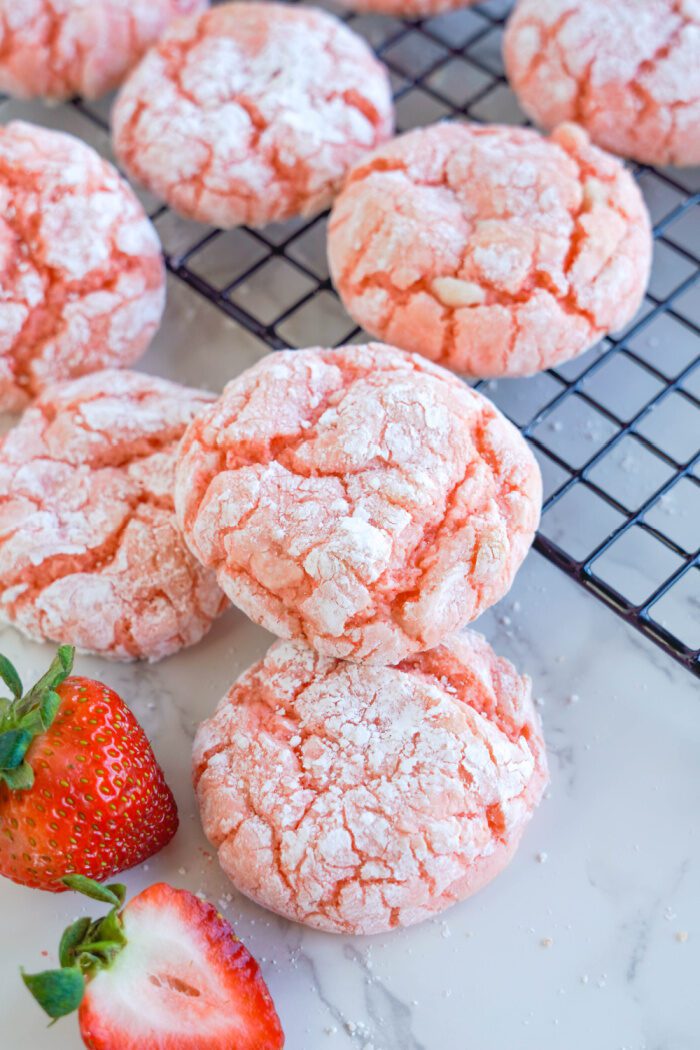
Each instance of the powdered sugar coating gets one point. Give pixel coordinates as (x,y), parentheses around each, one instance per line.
(252,112)
(82,283)
(361,498)
(357,799)
(57,48)
(90,553)
(490,249)
(628,71)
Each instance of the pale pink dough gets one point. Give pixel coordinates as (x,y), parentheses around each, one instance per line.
(358,799)
(57,48)
(252,112)
(491,250)
(82,284)
(361,498)
(90,552)
(627,70)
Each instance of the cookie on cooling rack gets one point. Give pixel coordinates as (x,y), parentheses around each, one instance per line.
(358,799)
(251,113)
(53,50)
(82,283)
(90,553)
(490,249)
(627,71)
(359,498)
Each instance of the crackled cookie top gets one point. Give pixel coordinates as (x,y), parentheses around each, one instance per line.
(490,249)
(90,553)
(57,48)
(628,71)
(358,798)
(82,284)
(252,112)
(359,498)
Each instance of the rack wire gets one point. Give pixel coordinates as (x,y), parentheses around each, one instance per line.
(616,431)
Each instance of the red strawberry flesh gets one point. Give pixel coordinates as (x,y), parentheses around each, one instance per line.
(182,982)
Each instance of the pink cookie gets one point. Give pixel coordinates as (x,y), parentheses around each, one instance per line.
(90,553)
(82,283)
(628,71)
(252,112)
(57,48)
(361,498)
(490,249)
(358,799)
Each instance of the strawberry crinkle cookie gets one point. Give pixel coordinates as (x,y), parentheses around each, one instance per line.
(360,498)
(251,113)
(57,48)
(357,798)
(90,552)
(491,250)
(628,71)
(82,283)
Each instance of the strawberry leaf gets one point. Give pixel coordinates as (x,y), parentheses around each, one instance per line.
(113,894)
(13,747)
(19,779)
(59,669)
(119,891)
(10,677)
(72,937)
(110,934)
(25,717)
(49,708)
(58,992)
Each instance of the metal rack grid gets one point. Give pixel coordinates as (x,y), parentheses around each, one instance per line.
(616,431)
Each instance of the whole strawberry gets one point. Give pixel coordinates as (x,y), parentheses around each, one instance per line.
(164,973)
(80,789)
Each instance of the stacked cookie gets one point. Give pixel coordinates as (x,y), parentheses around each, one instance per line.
(363,504)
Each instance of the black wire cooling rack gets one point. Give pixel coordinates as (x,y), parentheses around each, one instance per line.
(616,431)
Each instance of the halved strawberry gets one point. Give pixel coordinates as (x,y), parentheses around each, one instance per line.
(80,788)
(166,973)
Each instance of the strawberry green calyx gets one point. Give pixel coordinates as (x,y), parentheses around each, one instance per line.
(23,717)
(87,945)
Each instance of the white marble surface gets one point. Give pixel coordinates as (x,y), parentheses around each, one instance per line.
(615,884)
